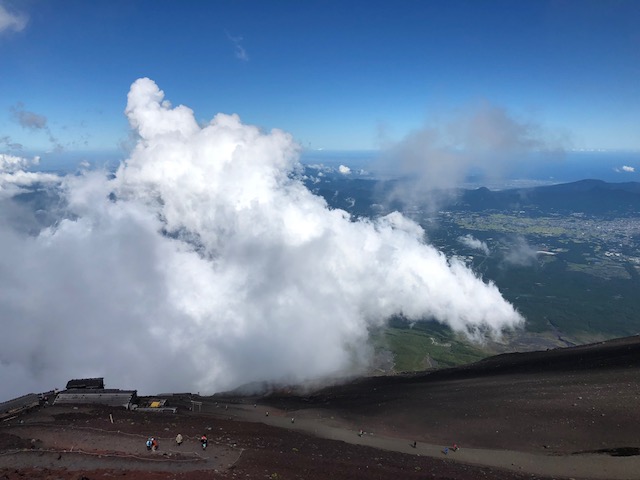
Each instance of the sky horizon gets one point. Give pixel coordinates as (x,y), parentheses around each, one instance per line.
(337,76)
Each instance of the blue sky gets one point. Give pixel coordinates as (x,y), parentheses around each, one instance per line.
(338,75)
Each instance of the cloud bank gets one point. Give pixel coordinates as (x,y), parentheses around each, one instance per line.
(205,263)
(14,175)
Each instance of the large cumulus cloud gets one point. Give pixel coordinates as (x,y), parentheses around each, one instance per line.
(204,263)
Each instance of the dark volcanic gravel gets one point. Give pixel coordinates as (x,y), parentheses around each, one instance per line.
(567,403)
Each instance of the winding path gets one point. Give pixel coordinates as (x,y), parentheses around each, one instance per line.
(586,466)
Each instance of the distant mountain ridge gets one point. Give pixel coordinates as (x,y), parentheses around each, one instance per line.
(586,196)
(597,197)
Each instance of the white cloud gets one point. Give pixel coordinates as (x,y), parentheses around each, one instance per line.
(239,50)
(205,263)
(11,21)
(14,175)
(344,170)
(520,253)
(13,163)
(471,242)
(626,168)
(485,141)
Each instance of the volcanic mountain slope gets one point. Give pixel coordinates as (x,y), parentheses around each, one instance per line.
(562,401)
(565,413)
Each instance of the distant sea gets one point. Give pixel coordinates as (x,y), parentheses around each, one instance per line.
(535,169)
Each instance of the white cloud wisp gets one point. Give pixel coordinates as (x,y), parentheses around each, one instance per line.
(205,263)
(484,143)
(11,21)
(473,243)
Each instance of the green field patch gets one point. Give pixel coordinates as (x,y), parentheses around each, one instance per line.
(601,269)
(425,346)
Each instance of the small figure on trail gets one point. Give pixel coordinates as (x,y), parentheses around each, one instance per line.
(446,450)
(204,441)
(154,444)
(149,443)
(179,439)
(360,433)
(266,414)
(414,444)
(293,420)
(455,447)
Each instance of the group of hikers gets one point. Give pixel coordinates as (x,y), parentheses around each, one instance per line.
(445,450)
(453,448)
(152,442)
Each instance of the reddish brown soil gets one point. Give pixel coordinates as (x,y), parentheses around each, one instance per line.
(555,405)
(238,449)
(561,401)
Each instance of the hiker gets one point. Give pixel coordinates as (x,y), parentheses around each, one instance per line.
(149,443)
(179,439)
(446,450)
(266,414)
(414,444)
(154,444)
(455,447)
(293,420)
(360,433)
(204,441)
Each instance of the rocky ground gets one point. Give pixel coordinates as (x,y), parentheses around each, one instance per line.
(558,414)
